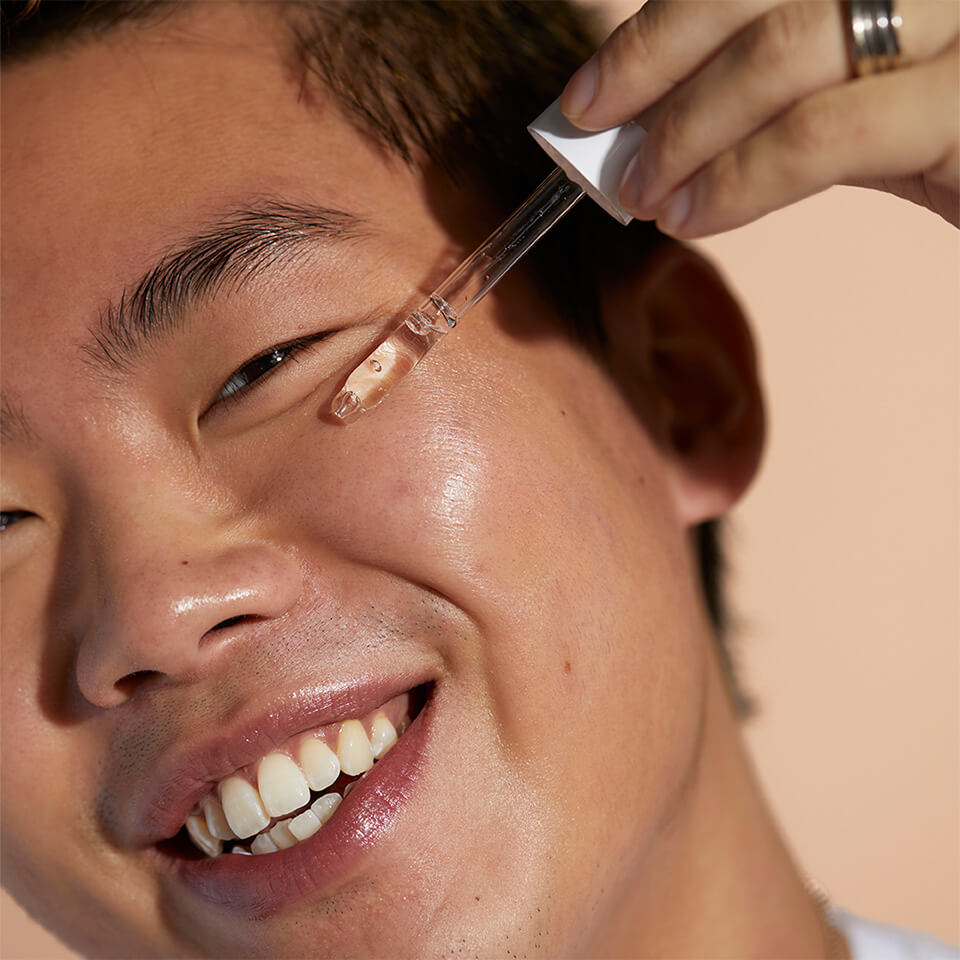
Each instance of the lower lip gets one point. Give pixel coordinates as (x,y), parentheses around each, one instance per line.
(259,886)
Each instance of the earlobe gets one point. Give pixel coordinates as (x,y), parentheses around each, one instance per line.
(680,347)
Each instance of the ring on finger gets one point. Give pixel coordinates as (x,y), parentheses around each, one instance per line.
(873,36)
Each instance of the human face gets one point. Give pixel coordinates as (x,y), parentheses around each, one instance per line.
(198,580)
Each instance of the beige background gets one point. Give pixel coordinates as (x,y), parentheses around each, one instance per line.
(846,554)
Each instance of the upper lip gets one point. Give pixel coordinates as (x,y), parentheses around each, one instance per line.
(187,772)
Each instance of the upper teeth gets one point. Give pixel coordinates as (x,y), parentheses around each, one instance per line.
(283,786)
(353,748)
(242,806)
(320,765)
(382,735)
(215,820)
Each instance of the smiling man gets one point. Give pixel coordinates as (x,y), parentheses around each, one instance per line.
(441,681)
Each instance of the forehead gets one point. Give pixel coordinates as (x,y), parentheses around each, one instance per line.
(178,102)
(115,149)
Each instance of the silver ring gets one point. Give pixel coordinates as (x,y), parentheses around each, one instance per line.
(873,37)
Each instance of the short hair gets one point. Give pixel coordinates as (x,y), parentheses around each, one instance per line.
(450,86)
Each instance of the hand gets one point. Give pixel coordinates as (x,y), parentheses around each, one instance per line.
(751,105)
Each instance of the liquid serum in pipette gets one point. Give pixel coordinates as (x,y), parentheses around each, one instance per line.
(591,163)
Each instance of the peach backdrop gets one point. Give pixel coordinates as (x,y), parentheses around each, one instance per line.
(844,556)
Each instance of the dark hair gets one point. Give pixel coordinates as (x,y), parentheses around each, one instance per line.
(449,85)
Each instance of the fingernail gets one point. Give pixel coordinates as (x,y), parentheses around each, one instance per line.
(676,211)
(580,90)
(632,184)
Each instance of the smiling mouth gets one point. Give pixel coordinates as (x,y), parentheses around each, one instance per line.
(289,794)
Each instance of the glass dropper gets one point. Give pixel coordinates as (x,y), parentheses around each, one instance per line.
(407,344)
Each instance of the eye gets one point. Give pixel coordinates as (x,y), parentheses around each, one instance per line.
(262,366)
(9,517)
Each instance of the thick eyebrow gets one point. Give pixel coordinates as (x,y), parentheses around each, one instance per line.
(236,247)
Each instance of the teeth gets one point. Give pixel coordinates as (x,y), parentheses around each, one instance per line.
(281,836)
(201,836)
(320,764)
(305,825)
(263,844)
(383,735)
(353,748)
(242,807)
(216,821)
(324,806)
(281,784)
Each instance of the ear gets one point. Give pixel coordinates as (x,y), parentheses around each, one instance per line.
(681,350)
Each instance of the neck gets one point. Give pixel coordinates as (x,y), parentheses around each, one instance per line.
(719,881)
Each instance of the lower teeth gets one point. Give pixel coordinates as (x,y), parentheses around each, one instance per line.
(280,835)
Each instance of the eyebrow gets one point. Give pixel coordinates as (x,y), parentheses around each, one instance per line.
(235,248)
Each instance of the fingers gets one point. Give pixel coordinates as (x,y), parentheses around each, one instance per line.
(648,55)
(748,104)
(827,139)
(790,52)
(666,41)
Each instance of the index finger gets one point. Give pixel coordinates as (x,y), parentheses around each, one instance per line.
(649,54)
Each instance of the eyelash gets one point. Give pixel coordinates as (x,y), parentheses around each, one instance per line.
(241,381)
(9,517)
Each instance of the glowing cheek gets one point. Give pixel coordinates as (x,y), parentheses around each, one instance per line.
(436,501)
(458,495)
(442,494)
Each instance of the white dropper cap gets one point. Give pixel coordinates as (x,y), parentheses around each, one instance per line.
(596,161)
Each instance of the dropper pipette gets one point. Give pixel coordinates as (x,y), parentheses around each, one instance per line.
(591,163)
(409,341)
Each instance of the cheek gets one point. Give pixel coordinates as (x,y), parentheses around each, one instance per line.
(50,765)
(471,508)
(49,772)
(38,756)
(569,564)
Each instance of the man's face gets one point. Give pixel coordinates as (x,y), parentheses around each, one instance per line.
(201,576)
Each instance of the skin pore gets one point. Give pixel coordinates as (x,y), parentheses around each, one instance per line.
(504,527)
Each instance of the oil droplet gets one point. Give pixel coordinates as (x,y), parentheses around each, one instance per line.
(376,364)
(346,406)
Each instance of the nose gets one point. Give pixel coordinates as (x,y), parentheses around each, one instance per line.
(168,607)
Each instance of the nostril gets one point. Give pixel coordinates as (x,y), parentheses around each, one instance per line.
(132,681)
(216,633)
(139,679)
(233,621)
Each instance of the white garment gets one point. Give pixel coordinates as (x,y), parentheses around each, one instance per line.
(873,941)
